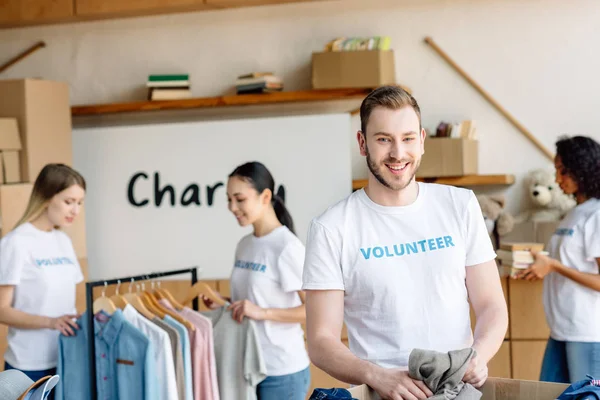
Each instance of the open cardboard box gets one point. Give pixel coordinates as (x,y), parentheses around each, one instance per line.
(494,389)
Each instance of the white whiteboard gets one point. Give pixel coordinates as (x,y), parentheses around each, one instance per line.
(309,155)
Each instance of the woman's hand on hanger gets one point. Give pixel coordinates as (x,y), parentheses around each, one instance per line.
(245,308)
(64,324)
(211,305)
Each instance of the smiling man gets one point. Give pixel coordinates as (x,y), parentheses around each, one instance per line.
(399,261)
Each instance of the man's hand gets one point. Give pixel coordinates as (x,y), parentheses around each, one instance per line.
(477,372)
(394,384)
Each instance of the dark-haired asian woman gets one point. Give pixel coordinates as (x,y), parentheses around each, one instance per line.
(266,281)
(571,271)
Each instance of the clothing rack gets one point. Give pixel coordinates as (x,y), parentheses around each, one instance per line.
(89,296)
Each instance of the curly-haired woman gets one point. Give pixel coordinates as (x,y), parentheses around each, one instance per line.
(571,271)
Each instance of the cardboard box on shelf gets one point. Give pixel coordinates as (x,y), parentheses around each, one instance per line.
(353,69)
(43,113)
(449,157)
(531,231)
(493,389)
(10,147)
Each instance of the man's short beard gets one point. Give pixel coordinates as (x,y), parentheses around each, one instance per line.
(373,168)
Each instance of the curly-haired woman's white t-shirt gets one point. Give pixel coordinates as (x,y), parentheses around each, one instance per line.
(44,270)
(573,310)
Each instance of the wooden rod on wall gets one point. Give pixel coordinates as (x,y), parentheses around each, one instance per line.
(491,100)
(21,56)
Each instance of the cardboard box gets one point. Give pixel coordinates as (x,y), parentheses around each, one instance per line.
(9,134)
(530,231)
(449,157)
(353,69)
(527,358)
(43,113)
(494,389)
(500,366)
(13,202)
(11,166)
(526,310)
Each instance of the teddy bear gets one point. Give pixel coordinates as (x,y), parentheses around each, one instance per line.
(550,203)
(498,221)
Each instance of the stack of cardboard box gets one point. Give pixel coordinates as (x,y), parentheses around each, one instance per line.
(35,129)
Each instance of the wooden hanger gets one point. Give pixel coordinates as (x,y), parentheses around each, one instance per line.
(199,288)
(165,294)
(172,314)
(118,299)
(137,303)
(103,303)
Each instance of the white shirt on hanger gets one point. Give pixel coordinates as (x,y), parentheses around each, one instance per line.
(573,310)
(268,272)
(165,366)
(43,268)
(402,269)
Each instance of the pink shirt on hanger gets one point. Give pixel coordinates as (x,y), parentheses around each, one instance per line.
(203,355)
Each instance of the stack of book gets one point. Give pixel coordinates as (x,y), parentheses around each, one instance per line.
(516,257)
(465,130)
(258,82)
(168,87)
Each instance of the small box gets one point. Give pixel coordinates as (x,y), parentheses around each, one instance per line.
(9,134)
(449,157)
(353,69)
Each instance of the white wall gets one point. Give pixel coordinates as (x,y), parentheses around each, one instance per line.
(536,57)
(124,239)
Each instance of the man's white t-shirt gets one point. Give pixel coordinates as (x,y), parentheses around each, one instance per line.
(573,310)
(402,269)
(44,270)
(268,272)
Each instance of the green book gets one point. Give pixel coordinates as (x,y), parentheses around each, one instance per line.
(162,78)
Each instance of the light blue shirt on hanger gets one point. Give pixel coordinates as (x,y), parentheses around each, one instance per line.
(187,355)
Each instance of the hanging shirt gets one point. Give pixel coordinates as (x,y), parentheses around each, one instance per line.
(201,390)
(163,355)
(187,355)
(573,310)
(402,269)
(177,355)
(240,365)
(268,272)
(124,361)
(43,268)
(203,358)
(208,372)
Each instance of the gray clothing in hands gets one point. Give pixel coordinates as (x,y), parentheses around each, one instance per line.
(443,373)
(240,364)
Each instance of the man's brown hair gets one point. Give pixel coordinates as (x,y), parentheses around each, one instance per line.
(392,97)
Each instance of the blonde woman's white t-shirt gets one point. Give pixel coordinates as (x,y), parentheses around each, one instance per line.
(268,272)
(402,269)
(573,310)
(44,270)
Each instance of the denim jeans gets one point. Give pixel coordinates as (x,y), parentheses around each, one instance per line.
(35,375)
(568,362)
(331,394)
(285,387)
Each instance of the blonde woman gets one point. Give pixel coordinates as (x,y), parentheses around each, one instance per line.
(39,271)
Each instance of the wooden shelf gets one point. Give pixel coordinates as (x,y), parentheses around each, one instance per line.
(234,106)
(469,180)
